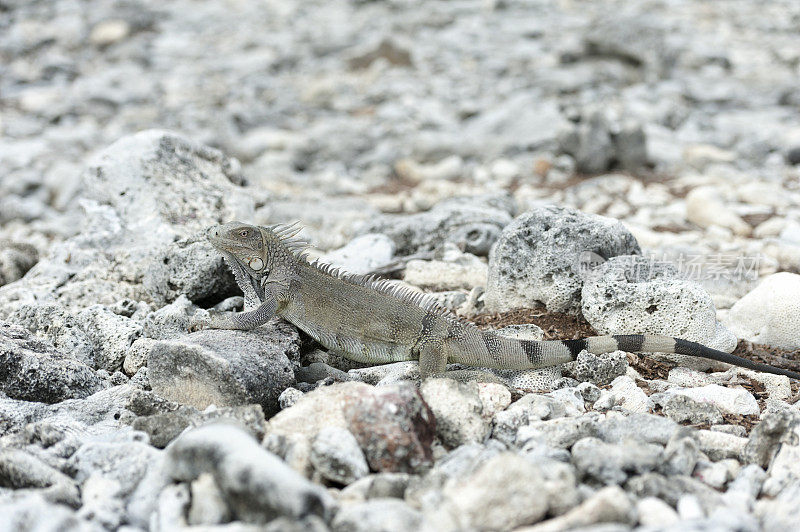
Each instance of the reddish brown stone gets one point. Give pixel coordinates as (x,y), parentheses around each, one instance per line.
(393,426)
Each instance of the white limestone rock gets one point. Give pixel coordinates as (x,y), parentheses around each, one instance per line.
(634,295)
(731,400)
(770,313)
(705,207)
(363,254)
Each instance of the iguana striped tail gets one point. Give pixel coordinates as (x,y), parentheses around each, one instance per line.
(490,350)
(653,343)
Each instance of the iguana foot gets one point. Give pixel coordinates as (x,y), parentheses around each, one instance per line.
(199,323)
(208,320)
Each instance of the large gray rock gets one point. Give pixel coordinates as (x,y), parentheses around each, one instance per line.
(162,185)
(165,426)
(190,267)
(257,485)
(21,470)
(51,322)
(495,496)
(123,462)
(225,367)
(33,370)
(538,257)
(472,223)
(142,193)
(31,511)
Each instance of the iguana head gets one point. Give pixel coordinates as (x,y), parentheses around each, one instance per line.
(242,245)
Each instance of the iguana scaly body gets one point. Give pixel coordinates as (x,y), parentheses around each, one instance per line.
(373,321)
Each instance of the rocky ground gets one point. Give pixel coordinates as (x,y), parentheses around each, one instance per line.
(552,168)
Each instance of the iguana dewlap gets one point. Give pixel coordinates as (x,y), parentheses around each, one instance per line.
(371,320)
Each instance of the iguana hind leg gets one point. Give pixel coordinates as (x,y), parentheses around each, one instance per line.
(432,358)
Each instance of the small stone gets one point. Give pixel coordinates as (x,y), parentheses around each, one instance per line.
(705,207)
(718,445)
(653,512)
(612,464)
(109,32)
(681,409)
(16,258)
(598,369)
(335,454)
(458,410)
(730,400)
(289,397)
(377,515)
(111,334)
(494,398)
(495,497)
(608,505)
(767,437)
(629,396)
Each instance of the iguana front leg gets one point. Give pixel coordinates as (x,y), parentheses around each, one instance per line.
(237,320)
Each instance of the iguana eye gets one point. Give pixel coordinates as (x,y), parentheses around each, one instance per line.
(255,263)
(243,233)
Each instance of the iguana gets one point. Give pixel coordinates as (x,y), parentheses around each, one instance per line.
(371,320)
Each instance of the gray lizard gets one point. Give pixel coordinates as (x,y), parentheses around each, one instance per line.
(371,320)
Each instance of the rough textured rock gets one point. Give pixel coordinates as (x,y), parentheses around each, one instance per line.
(257,484)
(190,267)
(135,174)
(163,427)
(497,495)
(537,258)
(21,470)
(774,429)
(53,323)
(393,426)
(634,295)
(225,368)
(731,400)
(323,407)
(111,335)
(612,464)
(768,314)
(681,408)
(598,369)
(33,370)
(608,505)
